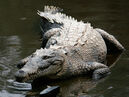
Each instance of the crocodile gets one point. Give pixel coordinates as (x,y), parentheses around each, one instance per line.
(69,48)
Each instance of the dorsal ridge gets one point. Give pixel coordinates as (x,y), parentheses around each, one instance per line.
(52,9)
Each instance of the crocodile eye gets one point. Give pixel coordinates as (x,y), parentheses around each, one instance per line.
(45,57)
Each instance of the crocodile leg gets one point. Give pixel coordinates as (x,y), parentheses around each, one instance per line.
(110,40)
(100,73)
(99,70)
(48,34)
(51,32)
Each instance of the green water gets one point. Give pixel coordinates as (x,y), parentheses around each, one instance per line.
(19,37)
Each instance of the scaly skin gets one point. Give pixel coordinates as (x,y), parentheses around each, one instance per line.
(69,48)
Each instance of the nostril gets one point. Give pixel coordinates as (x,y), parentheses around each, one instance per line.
(20,75)
(21,71)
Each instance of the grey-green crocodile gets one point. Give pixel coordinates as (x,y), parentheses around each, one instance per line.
(69,48)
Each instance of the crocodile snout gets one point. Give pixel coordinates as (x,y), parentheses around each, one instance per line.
(20,75)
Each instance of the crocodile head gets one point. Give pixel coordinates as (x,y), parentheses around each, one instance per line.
(44,62)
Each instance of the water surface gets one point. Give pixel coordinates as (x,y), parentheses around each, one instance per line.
(19,37)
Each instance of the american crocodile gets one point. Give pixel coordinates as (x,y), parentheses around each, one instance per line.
(69,48)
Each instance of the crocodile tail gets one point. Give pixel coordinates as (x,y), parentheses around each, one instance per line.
(52,9)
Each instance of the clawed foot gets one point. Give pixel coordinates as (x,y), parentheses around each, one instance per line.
(100,73)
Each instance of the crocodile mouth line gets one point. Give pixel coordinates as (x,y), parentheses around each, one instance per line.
(30,76)
(27,77)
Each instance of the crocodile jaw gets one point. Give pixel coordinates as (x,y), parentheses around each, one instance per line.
(45,64)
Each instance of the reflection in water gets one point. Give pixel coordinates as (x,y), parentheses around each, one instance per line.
(9,52)
(71,87)
(19,86)
(19,29)
(10,46)
(4,93)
